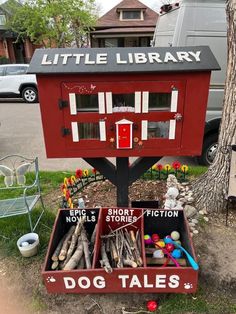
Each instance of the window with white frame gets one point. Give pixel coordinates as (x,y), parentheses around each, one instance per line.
(2,19)
(131,15)
(88,130)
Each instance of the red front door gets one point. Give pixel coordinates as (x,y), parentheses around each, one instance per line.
(124,136)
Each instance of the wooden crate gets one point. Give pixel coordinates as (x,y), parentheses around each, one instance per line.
(146,279)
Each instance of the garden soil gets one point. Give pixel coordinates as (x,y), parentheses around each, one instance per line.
(22,290)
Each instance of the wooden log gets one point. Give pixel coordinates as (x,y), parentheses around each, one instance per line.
(81,264)
(74,239)
(161,261)
(93,236)
(114,253)
(55,255)
(66,243)
(55,265)
(75,258)
(105,261)
(136,250)
(128,262)
(86,249)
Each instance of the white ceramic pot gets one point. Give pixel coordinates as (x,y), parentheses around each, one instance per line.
(28,244)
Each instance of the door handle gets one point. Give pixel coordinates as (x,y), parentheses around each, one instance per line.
(178,116)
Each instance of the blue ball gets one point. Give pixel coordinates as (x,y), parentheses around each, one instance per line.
(176,253)
(167,240)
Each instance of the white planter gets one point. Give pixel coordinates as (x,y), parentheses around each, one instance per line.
(28,244)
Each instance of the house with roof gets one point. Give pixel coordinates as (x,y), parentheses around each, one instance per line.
(11,49)
(129,24)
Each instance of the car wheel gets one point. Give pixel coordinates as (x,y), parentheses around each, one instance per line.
(209,149)
(30,94)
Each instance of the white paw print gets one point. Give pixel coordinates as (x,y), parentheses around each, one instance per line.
(51,279)
(188,286)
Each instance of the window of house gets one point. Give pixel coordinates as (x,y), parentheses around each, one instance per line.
(2,19)
(131,15)
(159,101)
(158,129)
(88,130)
(123,102)
(111,42)
(87,102)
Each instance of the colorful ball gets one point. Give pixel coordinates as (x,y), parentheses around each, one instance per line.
(166,238)
(152,306)
(176,253)
(158,254)
(147,239)
(160,243)
(155,237)
(170,247)
(175,235)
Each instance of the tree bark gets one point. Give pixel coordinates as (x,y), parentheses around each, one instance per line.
(211,189)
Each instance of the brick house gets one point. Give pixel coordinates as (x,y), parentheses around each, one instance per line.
(129,24)
(15,52)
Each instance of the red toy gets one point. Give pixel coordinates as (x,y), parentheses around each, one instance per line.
(170,247)
(155,237)
(152,306)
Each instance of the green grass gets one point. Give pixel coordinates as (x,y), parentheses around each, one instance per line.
(12,228)
(202,302)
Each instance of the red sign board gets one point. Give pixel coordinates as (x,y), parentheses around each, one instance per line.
(145,279)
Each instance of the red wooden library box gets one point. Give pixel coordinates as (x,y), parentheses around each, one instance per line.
(123,102)
(145,279)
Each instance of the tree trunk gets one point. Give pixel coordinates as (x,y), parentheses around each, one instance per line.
(211,189)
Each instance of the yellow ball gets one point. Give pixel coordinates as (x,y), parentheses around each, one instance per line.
(161,243)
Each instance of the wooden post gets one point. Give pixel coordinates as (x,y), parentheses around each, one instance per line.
(122,173)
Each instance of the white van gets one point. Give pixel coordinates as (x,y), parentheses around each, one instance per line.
(197,23)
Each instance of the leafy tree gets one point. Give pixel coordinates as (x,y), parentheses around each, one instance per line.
(211,189)
(53,23)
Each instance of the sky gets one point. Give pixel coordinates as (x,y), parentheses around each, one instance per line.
(106,5)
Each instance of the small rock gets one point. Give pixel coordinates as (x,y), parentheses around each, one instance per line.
(195,231)
(195,221)
(185,183)
(182,194)
(190,211)
(201,212)
(187,189)
(192,228)
(191,224)
(206,219)
(190,194)
(190,199)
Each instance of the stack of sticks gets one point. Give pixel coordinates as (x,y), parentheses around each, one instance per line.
(121,248)
(74,249)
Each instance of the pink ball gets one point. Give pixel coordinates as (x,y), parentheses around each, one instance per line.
(170,247)
(147,239)
(155,237)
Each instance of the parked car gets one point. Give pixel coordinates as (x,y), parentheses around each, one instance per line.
(15,82)
(199,23)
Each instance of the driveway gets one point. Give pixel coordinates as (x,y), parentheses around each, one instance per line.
(21,133)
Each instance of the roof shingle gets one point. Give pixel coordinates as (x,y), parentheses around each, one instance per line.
(111,18)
